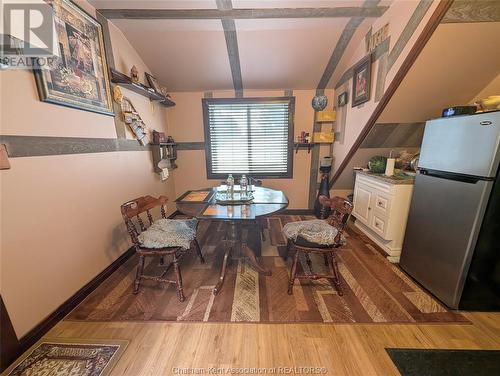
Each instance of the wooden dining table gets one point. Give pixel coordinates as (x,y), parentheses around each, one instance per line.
(203,205)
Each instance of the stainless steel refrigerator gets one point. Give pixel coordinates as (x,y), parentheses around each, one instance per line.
(452,240)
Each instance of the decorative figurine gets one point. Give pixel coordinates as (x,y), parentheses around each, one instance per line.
(134,74)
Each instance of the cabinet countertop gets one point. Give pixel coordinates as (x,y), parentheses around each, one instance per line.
(387,179)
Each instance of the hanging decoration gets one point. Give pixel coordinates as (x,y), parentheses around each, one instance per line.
(131,116)
(319,102)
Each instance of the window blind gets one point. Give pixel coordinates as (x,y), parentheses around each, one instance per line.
(249,136)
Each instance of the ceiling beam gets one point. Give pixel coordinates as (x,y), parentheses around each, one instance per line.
(200,14)
(232,47)
(338,52)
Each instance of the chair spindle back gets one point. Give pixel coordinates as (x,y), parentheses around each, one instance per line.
(134,208)
(341,210)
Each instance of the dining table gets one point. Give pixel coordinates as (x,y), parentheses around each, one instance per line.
(206,204)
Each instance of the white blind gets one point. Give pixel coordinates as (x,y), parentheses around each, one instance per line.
(248,137)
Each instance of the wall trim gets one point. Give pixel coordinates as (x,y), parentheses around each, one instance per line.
(30,338)
(35,146)
(191,145)
(419,45)
(9,344)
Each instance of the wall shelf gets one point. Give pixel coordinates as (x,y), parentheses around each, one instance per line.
(308,145)
(126,82)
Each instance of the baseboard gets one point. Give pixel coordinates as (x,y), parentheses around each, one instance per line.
(9,344)
(30,338)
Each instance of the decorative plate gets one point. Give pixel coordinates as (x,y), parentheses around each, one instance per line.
(319,102)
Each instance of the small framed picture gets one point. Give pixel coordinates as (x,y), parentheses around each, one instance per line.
(342,99)
(153,83)
(361,81)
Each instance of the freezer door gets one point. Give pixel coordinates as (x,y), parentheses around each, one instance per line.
(464,145)
(443,224)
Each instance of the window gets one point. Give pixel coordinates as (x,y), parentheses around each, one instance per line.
(251,136)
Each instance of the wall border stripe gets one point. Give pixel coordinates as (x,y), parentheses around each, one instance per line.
(415,19)
(35,146)
(38,146)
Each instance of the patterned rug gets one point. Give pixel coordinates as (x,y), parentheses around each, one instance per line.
(68,357)
(374,289)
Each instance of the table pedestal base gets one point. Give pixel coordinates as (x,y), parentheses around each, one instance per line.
(234,241)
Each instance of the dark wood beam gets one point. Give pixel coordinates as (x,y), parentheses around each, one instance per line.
(196,14)
(419,45)
(232,47)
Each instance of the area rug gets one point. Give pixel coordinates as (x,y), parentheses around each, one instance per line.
(375,291)
(418,362)
(68,357)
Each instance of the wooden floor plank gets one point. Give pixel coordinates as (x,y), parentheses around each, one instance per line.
(343,349)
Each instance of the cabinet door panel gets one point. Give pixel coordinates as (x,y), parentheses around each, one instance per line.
(362,203)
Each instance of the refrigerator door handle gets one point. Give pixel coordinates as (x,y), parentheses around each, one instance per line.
(452,176)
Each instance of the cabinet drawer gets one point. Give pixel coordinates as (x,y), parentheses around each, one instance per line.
(382,203)
(379,224)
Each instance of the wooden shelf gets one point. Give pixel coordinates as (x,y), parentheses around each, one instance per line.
(126,82)
(308,145)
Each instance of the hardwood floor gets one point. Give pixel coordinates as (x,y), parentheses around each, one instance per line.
(159,347)
(343,349)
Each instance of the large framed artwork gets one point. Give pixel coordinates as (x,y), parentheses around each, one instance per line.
(79,77)
(361,81)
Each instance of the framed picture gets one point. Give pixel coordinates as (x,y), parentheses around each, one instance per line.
(361,81)
(153,83)
(342,99)
(79,77)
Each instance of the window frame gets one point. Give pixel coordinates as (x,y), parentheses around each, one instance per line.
(208,146)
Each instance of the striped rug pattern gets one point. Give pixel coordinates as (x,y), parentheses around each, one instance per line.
(375,291)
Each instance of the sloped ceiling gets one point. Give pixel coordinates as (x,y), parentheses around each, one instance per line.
(241,44)
(459,61)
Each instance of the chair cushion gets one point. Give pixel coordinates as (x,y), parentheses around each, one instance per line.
(165,233)
(300,241)
(314,231)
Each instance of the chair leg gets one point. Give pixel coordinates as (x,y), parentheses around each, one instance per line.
(177,269)
(335,269)
(288,246)
(293,273)
(198,251)
(325,257)
(309,263)
(140,271)
(262,233)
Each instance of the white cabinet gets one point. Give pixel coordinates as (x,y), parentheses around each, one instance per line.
(381,209)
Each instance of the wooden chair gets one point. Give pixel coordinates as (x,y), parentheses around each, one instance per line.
(133,209)
(341,210)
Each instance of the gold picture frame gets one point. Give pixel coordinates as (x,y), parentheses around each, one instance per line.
(78,78)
